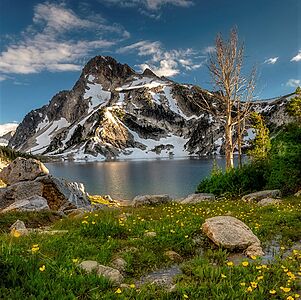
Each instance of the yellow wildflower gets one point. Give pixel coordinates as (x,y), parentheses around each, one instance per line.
(230,264)
(297,296)
(253,257)
(75,260)
(254,284)
(285,289)
(118,291)
(245,263)
(35,248)
(93,222)
(223,276)
(290,298)
(249,289)
(185,296)
(15,233)
(273,292)
(260,277)
(243,284)
(85,222)
(42,268)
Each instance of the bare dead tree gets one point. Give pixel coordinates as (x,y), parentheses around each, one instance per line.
(235,92)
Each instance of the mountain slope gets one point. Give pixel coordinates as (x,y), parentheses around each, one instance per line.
(114,112)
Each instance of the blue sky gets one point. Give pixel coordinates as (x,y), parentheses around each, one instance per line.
(44,45)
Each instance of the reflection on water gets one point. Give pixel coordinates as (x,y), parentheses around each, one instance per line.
(126,179)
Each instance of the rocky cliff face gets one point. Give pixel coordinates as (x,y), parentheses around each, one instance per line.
(114,112)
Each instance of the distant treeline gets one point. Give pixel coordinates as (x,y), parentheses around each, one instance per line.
(9,154)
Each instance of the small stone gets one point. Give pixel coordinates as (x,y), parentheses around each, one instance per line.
(89,265)
(298,194)
(33,203)
(257,196)
(196,198)
(174,256)
(254,250)
(150,200)
(110,273)
(119,264)
(150,234)
(269,201)
(20,227)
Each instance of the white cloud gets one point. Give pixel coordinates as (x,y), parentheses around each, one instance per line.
(293,83)
(297,57)
(163,62)
(150,4)
(208,49)
(271,61)
(47,45)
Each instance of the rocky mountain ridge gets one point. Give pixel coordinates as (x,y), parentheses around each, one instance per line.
(114,112)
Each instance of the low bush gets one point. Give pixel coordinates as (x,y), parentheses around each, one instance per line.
(281,170)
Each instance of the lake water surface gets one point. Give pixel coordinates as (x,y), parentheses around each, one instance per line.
(127,179)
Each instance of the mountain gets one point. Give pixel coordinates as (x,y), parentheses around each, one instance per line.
(6,132)
(114,112)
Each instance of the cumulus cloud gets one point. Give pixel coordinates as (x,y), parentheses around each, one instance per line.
(208,49)
(47,45)
(271,61)
(297,57)
(293,83)
(164,62)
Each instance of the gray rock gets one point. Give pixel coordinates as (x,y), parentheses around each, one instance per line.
(150,234)
(232,234)
(33,203)
(20,227)
(62,195)
(150,200)
(89,265)
(19,191)
(22,169)
(257,196)
(196,198)
(108,272)
(119,264)
(174,256)
(269,201)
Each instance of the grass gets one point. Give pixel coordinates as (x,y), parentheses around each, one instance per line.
(46,267)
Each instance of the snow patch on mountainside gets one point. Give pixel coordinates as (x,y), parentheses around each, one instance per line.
(96,95)
(43,140)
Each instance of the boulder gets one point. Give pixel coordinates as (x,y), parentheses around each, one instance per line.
(22,169)
(19,191)
(150,200)
(269,201)
(33,203)
(257,196)
(231,233)
(196,198)
(108,272)
(63,195)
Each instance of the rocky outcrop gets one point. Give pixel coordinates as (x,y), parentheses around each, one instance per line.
(114,112)
(150,200)
(37,191)
(231,233)
(196,198)
(257,196)
(22,169)
(33,203)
